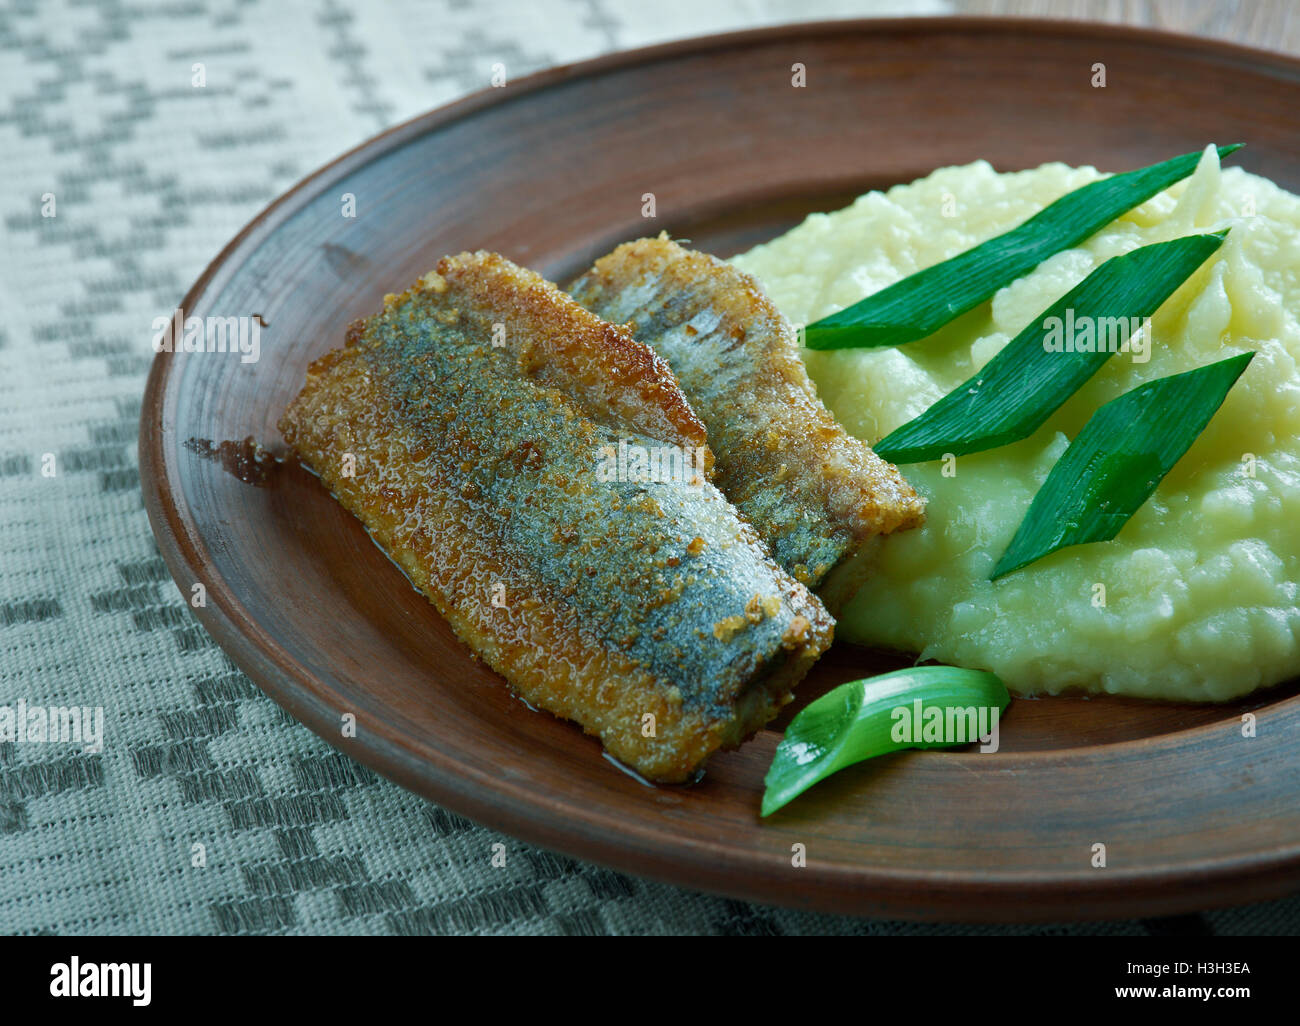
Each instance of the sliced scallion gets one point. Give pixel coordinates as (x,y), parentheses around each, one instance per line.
(876,715)
(1117,460)
(924,302)
(1029,379)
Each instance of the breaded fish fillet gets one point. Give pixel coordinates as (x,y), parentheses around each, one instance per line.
(471,426)
(815,493)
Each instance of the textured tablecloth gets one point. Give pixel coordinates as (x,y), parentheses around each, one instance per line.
(208,809)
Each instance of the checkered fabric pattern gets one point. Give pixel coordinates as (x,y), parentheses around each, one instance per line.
(208,809)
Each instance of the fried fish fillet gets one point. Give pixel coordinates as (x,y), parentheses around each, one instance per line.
(815,494)
(471,426)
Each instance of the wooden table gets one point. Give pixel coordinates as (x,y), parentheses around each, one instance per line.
(1270,24)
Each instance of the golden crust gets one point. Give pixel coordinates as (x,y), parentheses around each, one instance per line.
(599,365)
(815,493)
(394,427)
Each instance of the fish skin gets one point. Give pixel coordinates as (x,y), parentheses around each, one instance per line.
(477,465)
(816,494)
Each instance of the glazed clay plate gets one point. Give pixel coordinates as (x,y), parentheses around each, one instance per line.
(552,171)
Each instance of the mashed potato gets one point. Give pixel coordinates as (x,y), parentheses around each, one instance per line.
(1196,599)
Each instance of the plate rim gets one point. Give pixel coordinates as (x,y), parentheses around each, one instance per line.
(500,804)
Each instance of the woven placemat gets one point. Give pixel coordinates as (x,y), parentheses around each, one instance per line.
(134,142)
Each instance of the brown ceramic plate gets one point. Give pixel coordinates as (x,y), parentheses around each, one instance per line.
(550,171)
